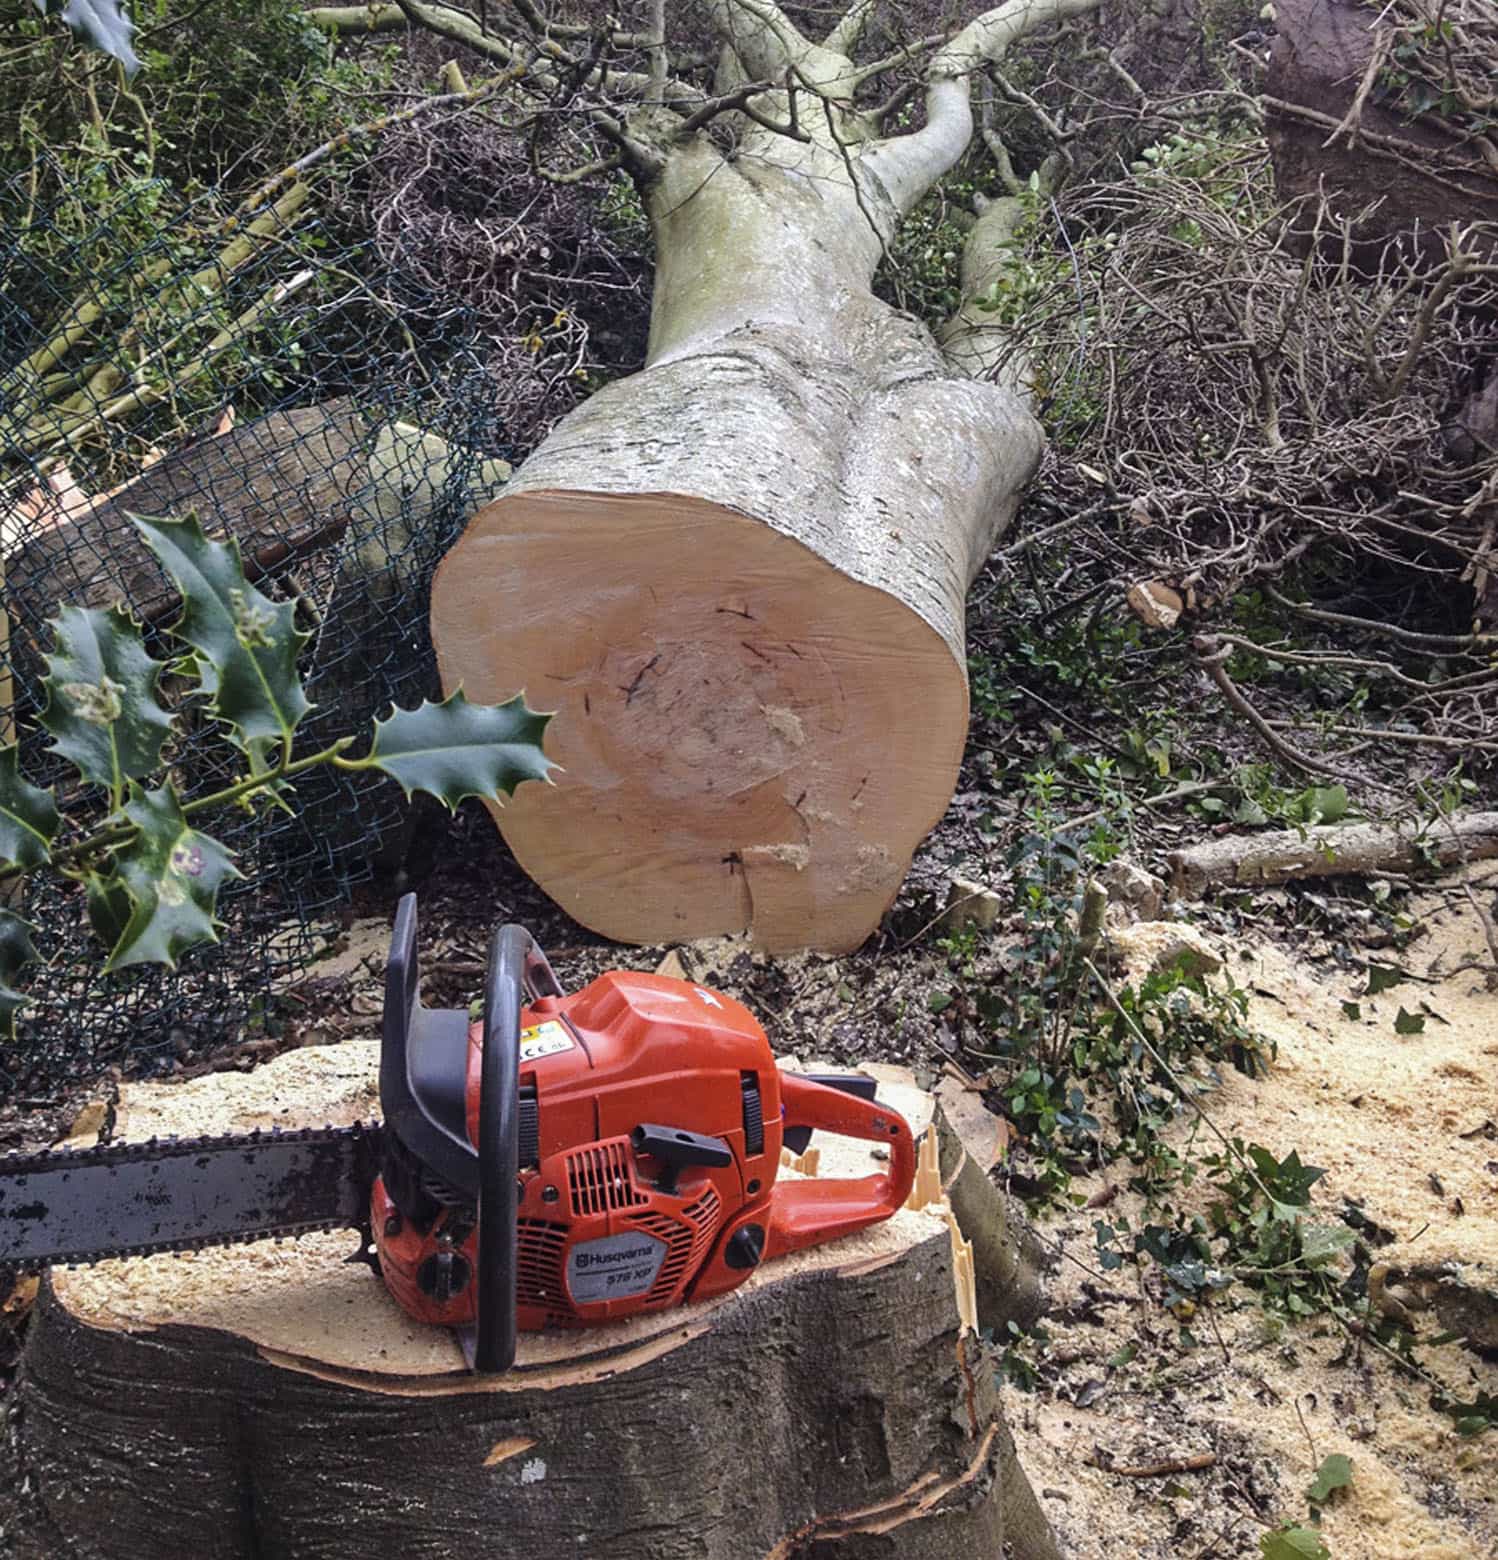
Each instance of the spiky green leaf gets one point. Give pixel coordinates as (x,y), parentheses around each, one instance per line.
(456,749)
(108,907)
(102,708)
(16,952)
(246,644)
(29,819)
(172,874)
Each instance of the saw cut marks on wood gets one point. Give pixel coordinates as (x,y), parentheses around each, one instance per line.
(560,1161)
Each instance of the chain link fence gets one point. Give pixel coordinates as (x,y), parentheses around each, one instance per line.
(263,367)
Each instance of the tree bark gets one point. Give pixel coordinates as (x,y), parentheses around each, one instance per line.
(1331,850)
(271,1401)
(739,575)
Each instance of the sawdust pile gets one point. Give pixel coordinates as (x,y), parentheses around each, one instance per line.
(1406,1125)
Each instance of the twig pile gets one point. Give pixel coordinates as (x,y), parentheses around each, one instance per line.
(1243,411)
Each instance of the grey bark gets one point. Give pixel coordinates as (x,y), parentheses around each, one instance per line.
(1332,850)
(821,1421)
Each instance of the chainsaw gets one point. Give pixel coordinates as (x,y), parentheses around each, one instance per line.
(559,1161)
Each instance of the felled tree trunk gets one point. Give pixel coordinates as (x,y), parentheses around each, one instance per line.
(280,485)
(272,1402)
(739,575)
(286,486)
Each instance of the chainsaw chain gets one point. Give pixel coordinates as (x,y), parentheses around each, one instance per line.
(365,1136)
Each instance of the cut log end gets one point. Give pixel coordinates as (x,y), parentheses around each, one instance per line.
(752,740)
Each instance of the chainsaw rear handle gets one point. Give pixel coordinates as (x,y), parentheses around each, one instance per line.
(517,972)
(809,1212)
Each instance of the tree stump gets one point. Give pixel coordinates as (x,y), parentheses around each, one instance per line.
(271,1401)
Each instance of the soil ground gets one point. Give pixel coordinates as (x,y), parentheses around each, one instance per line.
(1406,1127)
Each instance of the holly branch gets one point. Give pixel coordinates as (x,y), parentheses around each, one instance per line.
(150,878)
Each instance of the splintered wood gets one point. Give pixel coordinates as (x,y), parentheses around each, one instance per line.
(802,1164)
(928,1192)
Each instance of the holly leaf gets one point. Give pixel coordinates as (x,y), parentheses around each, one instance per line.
(109,907)
(247,645)
(105,25)
(172,875)
(102,708)
(16,952)
(29,819)
(1335,1473)
(456,749)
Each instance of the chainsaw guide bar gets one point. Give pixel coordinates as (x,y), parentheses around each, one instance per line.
(80,1206)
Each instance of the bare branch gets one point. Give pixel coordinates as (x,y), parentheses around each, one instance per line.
(448,22)
(659,59)
(460,28)
(741,100)
(910,164)
(766,41)
(843,38)
(1211,655)
(352,19)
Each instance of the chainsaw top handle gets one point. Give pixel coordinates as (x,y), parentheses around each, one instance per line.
(517,973)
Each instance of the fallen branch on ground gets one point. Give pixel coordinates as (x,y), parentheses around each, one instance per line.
(1332,850)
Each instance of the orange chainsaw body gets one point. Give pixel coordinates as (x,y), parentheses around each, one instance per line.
(634,1087)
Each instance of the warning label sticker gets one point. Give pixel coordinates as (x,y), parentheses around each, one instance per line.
(544,1040)
(613,1268)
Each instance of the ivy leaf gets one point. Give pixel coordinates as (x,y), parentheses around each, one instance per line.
(1322,804)
(1319,1243)
(247,645)
(1382,977)
(172,875)
(456,749)
(1335,1473)
(102,709)
(105,25)
(1296,1543)
(16,952)
(29,819)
